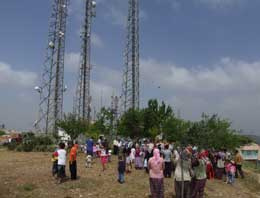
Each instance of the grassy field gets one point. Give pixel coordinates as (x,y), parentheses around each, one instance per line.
(252,166)
(29,175)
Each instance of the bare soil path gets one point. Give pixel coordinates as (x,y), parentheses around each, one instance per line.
(24,175)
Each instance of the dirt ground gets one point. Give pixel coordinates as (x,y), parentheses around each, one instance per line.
(29,175)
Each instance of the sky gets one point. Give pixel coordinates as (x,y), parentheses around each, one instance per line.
(196,55)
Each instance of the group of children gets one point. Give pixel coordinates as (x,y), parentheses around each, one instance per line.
(59,157)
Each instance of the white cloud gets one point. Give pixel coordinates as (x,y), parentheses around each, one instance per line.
(118,11)
(229,88)
(12,77)
(225,75)
(212,4)
(96,40)
(72,61)
(104,80)
(175,4)
(115,11)
(215,4)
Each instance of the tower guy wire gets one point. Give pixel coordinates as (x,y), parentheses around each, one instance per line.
(52,86)
(131,93)
(82,100)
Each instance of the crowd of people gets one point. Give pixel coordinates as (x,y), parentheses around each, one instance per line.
(189,166)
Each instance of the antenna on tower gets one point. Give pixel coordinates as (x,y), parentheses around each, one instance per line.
(131,92)
(52,88)
(82,103)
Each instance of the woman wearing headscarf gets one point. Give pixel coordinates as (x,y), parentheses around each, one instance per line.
(182,174)
(138,159)
(200,176)
(156,167)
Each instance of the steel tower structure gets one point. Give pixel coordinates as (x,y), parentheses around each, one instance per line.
(115,115)
(82,101)
(130,94)
(52,86)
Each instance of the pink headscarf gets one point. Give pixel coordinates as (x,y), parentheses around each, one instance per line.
(156,155)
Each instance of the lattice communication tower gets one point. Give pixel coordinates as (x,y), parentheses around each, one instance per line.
(52,87)
(131,91)
(82,100)
(115,114)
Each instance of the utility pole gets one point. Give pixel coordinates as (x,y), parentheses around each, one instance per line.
(52,87)
(82,102)
(131,92)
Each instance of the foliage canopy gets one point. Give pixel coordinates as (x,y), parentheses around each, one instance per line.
(211,131)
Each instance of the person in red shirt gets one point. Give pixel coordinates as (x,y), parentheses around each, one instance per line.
(73,161)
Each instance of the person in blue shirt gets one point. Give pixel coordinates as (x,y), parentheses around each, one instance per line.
(89,145)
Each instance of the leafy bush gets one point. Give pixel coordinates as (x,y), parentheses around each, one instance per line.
(50,148)
(28,147)
(19,148)
(211,131)
(2,133)
(12,146)
(73,126)
(30,143)
(43,140)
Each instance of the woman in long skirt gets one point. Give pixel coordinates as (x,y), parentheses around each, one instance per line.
(156,167)
(138,159)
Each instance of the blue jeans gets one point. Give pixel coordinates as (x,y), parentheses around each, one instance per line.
(231,178)
(121,177)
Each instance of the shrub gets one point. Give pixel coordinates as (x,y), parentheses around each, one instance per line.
(19,148)
(12,145)
(43,140)
(28,147)
(2,133)
(32,143)
(50,148)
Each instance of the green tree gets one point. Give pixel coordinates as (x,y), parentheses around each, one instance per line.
(131,124)
(73,126)
(155,116)
(175,129)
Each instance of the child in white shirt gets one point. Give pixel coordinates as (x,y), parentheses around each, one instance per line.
(61,162)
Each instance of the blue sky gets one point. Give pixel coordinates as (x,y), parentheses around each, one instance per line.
(204,55)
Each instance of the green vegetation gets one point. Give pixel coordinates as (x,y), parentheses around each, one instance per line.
(2,133)
(252,166)
(31,142)
(28,187)
(73,126)
(209,132)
